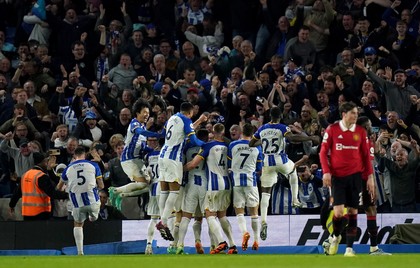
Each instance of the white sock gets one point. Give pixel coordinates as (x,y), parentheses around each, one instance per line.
(162,200)
(241,223)
(215,229)
(151,229)
(265,201)
(213,239)
(227,229)
(78,238)
(131,187)
(254,225)
(294,185)
(169,206)
(183,228)
(197,230)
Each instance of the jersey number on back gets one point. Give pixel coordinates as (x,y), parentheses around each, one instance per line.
(80,177)
(245,156)
(169,133)
(270,147)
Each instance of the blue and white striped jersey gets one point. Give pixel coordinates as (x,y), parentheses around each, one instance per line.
(215,154)
(196,176)
(81,176)
(134,142)
(244,162)
(272,143)
(281,200)
(152,166)
(310,193)
(177,129)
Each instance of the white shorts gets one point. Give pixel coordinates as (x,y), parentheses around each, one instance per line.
(269,173)
(170,170)
(134,168)
(217,200)
(194,198)
(83,213)
(245,196)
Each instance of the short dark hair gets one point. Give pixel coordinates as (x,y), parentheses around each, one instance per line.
(346,107)
(362,121)
(203,134)
(275,112)
(80,150)
(139,105)
(247,130)
(186,107)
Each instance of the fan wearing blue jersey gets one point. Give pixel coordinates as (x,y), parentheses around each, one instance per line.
(244,162)
(178,128)
(134,150)
(195,192)
(218,195)
(84,179)
(271,137)
(152,159)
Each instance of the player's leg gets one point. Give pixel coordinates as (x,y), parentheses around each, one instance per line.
(154,219)
(214,225)
(338,191)
(268,179)
(134,170)
(183,228)
(353,191)
(252,201)
(172,175)
(79,217)
(289,171)
(198,220)
(223,203)
(239,205)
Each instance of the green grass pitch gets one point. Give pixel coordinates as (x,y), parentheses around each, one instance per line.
(214,261)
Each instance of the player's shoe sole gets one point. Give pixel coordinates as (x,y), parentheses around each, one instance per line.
(164,231)
(263,233)
(245,239)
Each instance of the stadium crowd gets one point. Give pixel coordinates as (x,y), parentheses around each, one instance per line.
(70,72)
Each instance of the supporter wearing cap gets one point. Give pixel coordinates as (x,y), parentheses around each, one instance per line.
(89,130)
(371,58)
(22,156)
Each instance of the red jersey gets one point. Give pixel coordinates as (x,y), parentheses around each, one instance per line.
(345,151)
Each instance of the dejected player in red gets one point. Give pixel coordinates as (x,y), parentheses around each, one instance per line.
(345,155)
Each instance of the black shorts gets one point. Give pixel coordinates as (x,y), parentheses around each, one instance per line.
(366,198)
(347,190)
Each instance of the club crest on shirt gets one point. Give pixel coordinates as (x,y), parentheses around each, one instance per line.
(356,137)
